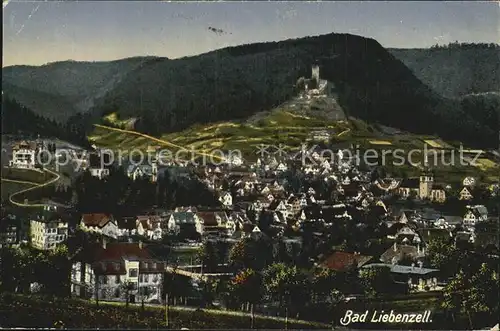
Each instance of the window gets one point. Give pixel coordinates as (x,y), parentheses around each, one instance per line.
(155,278)
(103,294)
(117,292)
(117,279)
(146,278)
(132,272)
(104,279)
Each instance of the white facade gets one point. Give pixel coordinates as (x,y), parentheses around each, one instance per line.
(47,235)
(226,199)
(110,286)
(23,157)
(99,172)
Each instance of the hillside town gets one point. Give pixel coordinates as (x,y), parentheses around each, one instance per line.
(319,220)
(275,165)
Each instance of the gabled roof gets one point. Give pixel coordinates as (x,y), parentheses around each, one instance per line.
(149,222)
(110,260)
(210,217)
(452,219)
(402,269)
(399,252)
(99,220)
(183,217)
(342,261)
(126,223)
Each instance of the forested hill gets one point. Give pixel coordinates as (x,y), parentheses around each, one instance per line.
(61,89)
(19,120)
(455,70)
(236,82)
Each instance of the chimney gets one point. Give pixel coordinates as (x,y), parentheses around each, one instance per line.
(104,242)
(395,247)
(140,244)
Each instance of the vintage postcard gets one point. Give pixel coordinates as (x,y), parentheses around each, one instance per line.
(250,165)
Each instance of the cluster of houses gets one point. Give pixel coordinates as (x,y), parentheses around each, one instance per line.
(289,194)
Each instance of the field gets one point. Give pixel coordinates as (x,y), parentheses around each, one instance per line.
(289,129)
(485,164)
(275,128)
(31,311)
(25,175)
(380,142)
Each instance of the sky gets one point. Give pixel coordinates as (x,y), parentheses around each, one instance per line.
(35,33)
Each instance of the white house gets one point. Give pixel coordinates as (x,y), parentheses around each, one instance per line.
(469,181)
(112,271)
(281,167)
(48,230)
(474,215)
(99,172)
(138,171)
(177,220)
(465,194)
(100,223)
(150,226)
(226,199)
(23,155)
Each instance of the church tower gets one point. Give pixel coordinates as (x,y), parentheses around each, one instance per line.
(425,187)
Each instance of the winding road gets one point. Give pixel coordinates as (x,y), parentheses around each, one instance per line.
(34,187)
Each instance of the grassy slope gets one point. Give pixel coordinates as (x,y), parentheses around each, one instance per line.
(28,312)
(281,126)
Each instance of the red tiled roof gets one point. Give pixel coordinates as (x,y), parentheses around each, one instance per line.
(208,218)
(110,260)
(99,220)
(341,261)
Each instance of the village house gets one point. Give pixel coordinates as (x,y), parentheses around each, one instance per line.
(48,230)
(448,222)
(139,171)
(465,194)
(344,261)
(100,223)
(469,181)
(111,271)
(226,199)
(9,231)
(418,279)
(150,226)
(423,187)
(182,220)
(214,223)
(474,215)
(99,172)
(399,252)
(24,155)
